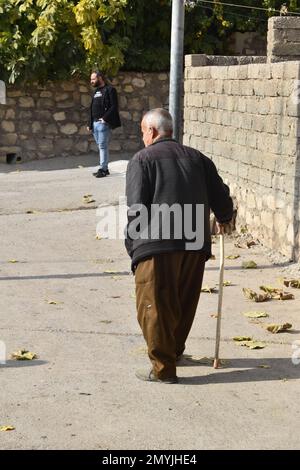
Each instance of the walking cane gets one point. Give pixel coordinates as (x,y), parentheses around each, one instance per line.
(221,276)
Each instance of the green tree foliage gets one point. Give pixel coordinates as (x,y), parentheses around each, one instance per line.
(50,39)
(208,27)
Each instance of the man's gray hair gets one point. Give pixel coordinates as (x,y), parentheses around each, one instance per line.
(160,119)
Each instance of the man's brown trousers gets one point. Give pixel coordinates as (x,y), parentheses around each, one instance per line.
(168,287)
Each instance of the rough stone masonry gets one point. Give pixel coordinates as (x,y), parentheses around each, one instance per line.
(42,121)
(246,118)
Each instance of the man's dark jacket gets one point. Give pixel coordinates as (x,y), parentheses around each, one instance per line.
(111,107)
(167,172)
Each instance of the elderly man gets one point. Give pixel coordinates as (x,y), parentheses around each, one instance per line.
(104,116)
(170,191)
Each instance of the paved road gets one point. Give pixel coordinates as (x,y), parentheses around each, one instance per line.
(81,393)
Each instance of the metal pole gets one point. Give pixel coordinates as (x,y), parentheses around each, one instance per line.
(176,65)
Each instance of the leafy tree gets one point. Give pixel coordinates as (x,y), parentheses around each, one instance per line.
(208,27)
(49,39)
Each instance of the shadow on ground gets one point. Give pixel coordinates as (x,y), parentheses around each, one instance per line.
(61,163)
(18,364)
(249,370)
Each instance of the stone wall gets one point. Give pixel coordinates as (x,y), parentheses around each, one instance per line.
(283,38)
(46,121)
(246,118)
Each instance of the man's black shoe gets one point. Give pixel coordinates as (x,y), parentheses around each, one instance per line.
(101,173)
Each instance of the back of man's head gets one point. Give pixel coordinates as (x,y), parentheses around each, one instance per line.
(160,119)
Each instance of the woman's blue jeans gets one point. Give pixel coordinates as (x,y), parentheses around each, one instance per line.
(101,132)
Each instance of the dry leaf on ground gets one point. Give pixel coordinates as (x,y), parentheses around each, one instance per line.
(256,314)
(252,344)
(7,428)
(291,283)
(232,256)
(242,338)
(209,289)
(23,355)
(270,289)
(249,265)
(252,295)
(283,296)
(87,199)
(275,328)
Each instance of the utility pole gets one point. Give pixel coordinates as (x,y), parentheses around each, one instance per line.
(2,92)
(176,65)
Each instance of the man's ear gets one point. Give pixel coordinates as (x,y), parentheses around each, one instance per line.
(154,132)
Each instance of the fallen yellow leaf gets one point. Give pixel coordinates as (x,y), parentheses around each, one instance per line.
(249,265)
(88,200)
(23,355)
(232,256)
(252,344)
(252,295)
(208,289)
(7,428)
(13,261)
(283,296)
(256,314)
(274,328)
(53,302)
(242,338)
(291,283)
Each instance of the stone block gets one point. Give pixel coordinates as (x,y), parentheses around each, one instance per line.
(68,86)
(10,114)
(69,129)
(267,219)
(195,60)
(61,116)
(85,100)
(14,93)
(51,129)
(46,94)
(135,104)
(128,89)
(36,127)
(81,146)
(44,103)
(286,49)
(283,22)
(138,82)
(125,115)
(26,102)
(162,76)
(8,126)
(65,104)
(8,139)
